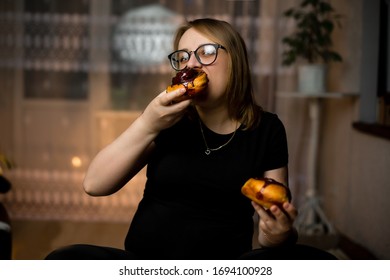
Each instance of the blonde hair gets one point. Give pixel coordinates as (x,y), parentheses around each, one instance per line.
(239,90)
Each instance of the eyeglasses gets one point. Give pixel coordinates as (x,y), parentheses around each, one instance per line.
(205,54)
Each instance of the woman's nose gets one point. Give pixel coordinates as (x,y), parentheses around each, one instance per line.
(193,62)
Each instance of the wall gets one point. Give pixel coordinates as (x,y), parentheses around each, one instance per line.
(353,178)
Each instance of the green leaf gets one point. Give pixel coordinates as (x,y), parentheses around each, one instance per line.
(289,12)
(5,162)
(327,25)
(315,21)
(325,8)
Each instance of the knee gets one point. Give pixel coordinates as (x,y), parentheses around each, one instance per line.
(71,252)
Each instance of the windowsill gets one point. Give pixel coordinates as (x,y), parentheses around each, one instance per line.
(378,130)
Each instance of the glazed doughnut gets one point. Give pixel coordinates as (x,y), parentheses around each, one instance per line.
(193,80)
(266,192)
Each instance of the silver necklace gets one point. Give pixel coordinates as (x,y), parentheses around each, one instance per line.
(208,149)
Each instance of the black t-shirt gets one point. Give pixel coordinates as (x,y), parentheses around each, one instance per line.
(192,206)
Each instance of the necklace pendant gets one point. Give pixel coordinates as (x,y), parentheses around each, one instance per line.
(207,152)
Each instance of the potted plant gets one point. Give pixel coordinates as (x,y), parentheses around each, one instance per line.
(311,42)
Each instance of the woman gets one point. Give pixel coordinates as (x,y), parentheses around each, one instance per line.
(199,152)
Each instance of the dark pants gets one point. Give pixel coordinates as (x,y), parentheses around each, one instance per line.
(92,252)
(5,245)
(293,252)
(5,235)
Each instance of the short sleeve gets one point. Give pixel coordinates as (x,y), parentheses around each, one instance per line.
(277,148)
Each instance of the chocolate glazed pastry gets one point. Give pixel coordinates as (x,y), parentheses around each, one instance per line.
(193,80)
(266,192)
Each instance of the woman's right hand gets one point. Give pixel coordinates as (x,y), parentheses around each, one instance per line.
(163,111)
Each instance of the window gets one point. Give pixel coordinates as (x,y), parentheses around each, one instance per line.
(375,86)
(55,49)
(384,65)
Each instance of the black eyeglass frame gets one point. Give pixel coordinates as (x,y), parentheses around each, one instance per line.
(216,46)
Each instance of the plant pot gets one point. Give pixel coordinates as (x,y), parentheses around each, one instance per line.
(311,78)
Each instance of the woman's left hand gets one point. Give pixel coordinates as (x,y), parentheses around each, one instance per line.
(276,224)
